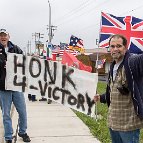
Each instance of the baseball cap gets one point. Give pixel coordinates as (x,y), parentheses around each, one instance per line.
(3,31)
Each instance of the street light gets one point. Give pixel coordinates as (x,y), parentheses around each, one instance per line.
(50,30)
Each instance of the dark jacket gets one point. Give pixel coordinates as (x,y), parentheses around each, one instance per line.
(133,65)
(3,57)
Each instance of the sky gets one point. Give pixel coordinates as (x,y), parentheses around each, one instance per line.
(81,18)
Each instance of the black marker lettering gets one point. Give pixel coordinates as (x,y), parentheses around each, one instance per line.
(47,69)
(66,77)
(81,101)
(90,103)
(23,83)
(49,92)
(37,61)
(17,64)
(43,90)
(33,87)
(54,93)
(72,100)
(64,92)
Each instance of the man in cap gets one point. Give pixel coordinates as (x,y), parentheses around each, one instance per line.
(8,97)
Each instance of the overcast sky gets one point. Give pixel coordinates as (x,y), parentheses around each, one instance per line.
(80,18)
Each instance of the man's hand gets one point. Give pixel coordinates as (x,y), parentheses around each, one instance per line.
(96,98)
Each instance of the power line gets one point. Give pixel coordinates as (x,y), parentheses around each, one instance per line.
(137,8)
(93,10)
(85,12)
(73,11)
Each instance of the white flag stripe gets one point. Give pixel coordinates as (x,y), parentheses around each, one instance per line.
(60,52)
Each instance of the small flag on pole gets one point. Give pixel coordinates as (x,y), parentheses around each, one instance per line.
(76,44)
(100,63)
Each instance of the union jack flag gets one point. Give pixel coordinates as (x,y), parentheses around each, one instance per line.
(129,26)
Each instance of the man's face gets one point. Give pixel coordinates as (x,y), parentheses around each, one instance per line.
(117,48)
(4,38)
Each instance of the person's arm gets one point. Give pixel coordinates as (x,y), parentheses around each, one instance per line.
(136,65)
(2,59)
(103,98)
(2,66)
(18,50)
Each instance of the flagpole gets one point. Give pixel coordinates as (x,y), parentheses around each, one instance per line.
(97,57)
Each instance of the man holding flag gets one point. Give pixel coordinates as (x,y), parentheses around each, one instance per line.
(124,92)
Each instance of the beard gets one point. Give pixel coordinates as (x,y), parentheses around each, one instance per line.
(117,56)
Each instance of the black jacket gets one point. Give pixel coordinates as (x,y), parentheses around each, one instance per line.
(133,65)
(3,57)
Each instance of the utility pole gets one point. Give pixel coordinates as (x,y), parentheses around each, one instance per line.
(37,37)
(39,41)
(51,28)
(29,47)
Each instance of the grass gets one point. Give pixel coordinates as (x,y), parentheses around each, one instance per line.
(99,128)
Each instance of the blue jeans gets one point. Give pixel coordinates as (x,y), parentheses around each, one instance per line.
(125,136)
(6,99)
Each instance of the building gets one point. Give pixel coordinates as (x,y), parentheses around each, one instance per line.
(92,55)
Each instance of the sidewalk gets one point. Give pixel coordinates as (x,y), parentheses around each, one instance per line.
(54,123)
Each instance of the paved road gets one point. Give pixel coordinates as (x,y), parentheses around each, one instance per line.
(103,78)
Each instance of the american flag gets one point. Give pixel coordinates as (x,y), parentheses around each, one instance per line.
(76,44)
(60,51)
(100,63)
(74,41)
(129,26)
(63,45)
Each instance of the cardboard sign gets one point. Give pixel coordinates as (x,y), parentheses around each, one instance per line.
(65,85)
